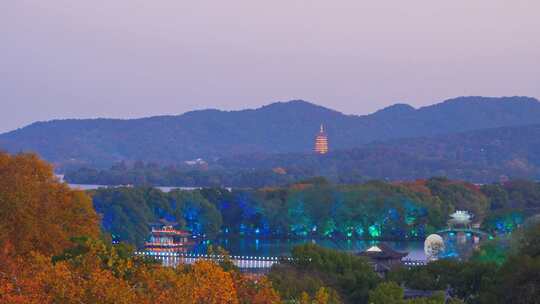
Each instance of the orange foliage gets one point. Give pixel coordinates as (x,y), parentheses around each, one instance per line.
(418,185)
(38,213)
(212,285)
(258,291)
(204,282)
(37,280)
(39,218)
(300,186)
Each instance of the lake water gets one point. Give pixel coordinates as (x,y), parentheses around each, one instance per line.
(94,187)
(277,247)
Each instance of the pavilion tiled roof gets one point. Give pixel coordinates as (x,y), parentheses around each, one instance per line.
(382,251)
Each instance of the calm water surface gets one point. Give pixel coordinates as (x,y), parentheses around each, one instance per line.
(275,247)
(94,187)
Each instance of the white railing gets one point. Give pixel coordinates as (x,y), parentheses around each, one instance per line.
(414,263)
(243,262)
(240,261)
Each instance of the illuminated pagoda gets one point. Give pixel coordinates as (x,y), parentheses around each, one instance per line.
(321,142)
(164,237)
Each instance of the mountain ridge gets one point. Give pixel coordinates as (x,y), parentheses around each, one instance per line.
(398,105)
(279,127)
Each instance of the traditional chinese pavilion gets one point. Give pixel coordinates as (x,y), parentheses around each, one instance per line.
(383,258)
(164,237)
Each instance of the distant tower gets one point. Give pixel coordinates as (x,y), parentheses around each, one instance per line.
(321,142)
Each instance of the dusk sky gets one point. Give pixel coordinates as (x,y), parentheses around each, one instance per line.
(134,58)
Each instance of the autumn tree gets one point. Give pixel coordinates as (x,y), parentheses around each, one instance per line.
(36,279)
(37,212)
(211,284)
(326,296)
(255,291)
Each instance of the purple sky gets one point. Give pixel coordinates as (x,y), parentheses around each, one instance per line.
(133,58)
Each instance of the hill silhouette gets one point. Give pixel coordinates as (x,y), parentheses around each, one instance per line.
(281,127)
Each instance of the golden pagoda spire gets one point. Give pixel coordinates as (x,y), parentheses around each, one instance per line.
(321,142)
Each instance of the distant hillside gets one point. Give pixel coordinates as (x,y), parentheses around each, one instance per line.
(281,127)
(481,156)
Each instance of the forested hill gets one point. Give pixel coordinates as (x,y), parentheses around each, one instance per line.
(481,156)
(277,128)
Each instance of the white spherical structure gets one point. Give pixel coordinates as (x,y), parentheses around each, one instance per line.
(433,246)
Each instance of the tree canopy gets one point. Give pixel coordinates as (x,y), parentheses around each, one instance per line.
(37,212)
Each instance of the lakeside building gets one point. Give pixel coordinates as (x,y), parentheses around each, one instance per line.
(165,238)
(383,258)
(321,142)
(460,218)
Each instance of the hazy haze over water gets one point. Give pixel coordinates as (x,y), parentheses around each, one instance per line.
(133,58)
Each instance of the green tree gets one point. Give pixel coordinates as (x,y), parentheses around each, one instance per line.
(386,293)
(351,276)
(519,280)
